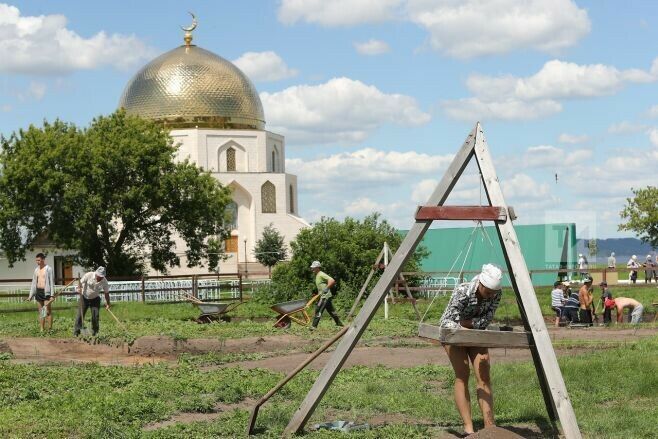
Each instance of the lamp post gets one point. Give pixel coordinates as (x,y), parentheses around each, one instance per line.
(246,270)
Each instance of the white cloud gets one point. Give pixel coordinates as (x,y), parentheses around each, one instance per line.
(337,12)
(264,66)
(626,127)
(557,79)
(372,47)
(44,45)
(508,97)
(5,108)
(653,112)
(340,110)
(653,136)
(472,109)
(573,138)
(366,166)
(470,28)
(35,91)
(524,187)
(550,156)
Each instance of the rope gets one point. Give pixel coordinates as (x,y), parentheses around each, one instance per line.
(468,241)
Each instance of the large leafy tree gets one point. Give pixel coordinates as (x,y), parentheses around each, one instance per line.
(114,192)
(347,250)
(270,248)
(641,215)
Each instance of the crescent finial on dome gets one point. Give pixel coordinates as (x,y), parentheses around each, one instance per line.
(188,30)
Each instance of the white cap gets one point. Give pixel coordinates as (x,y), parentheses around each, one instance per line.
(491,277)
(612,254)
(580,255)
(633,257)
(316,264)
(648,256)
(100,272)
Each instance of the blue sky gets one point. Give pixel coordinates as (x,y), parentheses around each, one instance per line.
(374,96)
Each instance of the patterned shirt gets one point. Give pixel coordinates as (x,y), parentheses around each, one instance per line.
(464,305)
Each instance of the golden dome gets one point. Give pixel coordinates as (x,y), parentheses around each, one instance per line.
(192,87)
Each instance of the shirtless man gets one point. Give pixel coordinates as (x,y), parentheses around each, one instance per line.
(42,289)
(586,299)
(636,309)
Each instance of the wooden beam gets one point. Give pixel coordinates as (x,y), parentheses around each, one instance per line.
(475,213)
(548,370)
(361,321)
(476,337)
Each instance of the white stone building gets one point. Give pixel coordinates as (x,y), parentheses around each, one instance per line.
(215,114)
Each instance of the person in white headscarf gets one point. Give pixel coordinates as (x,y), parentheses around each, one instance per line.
(472,306)
(89,289)
(634,266)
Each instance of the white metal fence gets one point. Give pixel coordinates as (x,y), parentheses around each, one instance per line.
(155,290)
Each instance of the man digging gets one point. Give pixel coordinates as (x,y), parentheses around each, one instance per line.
(89,289)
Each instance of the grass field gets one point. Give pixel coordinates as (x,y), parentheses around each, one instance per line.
(613,386)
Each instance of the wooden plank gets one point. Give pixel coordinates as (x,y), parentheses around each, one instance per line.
(457,213)
(476,337)
(548,370)
(360,323)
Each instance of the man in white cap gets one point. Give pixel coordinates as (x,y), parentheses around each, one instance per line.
(634,266)
(582,265)
(472,306)
(89,288)
(324,283)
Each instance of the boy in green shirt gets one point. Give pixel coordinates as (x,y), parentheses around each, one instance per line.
(323,283)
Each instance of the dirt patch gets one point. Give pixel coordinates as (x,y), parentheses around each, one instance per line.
(150,349)
(185,418)
(44,350)
(388,357)
(159,345)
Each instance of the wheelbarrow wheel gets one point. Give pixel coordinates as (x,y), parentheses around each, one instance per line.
(284,323)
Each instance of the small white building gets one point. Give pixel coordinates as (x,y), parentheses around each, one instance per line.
(215,114)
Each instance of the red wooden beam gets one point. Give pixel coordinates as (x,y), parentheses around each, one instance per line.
(476,213)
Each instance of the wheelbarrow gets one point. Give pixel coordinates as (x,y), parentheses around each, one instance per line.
(214,310)
(293,310)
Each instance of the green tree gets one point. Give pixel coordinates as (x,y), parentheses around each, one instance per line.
(270,248)
(593,247)
(114,192)
(347,250)
(641,215)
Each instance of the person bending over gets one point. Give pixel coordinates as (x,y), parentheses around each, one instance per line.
(635,309)
(91,285)
(472,306)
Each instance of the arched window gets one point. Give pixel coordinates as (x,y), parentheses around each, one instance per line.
(230,160)
(231,216)
(292,200)
(268,197)
(273,161)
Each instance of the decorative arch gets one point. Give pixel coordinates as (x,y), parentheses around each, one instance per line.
(240,157)
(268,197)
(292,198)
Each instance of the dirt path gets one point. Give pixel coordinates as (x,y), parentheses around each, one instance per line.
(287,350)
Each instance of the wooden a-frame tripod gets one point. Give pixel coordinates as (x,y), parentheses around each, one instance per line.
(552,384)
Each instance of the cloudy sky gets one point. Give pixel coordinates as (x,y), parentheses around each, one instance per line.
(375,96)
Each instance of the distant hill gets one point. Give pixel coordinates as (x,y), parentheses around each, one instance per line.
(624,248)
